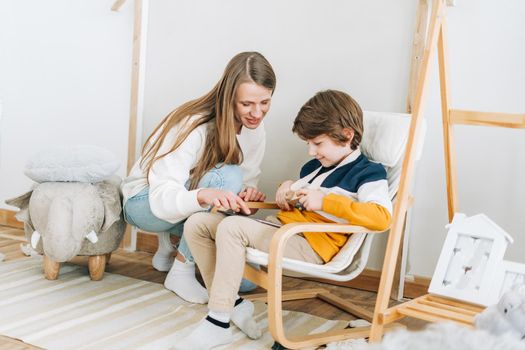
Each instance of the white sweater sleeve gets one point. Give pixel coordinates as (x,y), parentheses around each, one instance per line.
(168,197)
(253,144)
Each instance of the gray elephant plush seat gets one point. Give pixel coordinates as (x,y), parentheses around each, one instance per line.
(71,211)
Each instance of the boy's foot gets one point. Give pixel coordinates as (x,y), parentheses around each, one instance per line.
(181,280)
(208,334)
(242,317)
(163,258)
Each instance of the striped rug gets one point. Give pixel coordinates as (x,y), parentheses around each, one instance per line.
(115,313)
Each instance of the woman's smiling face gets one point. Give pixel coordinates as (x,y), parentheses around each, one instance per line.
(252,102)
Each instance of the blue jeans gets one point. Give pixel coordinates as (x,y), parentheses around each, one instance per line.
(137,211)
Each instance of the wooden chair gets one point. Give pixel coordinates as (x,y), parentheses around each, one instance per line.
(384,141)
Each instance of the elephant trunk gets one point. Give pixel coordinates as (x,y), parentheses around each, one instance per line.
(59,242)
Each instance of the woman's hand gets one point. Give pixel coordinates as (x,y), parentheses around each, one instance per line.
(224,199)
(311,199)
(280,195)
(251,194)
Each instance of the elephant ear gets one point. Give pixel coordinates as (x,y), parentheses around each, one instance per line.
(22,203)
(110,195)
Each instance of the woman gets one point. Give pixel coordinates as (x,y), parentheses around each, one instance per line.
(206,152)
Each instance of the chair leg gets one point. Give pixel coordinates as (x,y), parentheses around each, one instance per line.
(96,265)
(276,324)
(108,258)
(347,306)
(51,268)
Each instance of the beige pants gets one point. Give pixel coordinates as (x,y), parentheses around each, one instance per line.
(218,244)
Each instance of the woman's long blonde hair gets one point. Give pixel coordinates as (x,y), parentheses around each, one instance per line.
(216,107)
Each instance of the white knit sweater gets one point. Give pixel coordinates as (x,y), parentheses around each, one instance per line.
(169,199)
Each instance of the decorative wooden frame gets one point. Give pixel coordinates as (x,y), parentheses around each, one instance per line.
(441,309)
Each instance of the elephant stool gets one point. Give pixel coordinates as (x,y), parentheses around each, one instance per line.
(66,219)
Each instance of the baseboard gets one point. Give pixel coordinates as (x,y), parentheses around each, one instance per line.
(368,280)
(7,218)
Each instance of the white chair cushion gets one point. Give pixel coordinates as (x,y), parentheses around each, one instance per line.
(385,136)
(340,262)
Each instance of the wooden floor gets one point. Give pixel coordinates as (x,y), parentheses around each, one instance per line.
(138,265)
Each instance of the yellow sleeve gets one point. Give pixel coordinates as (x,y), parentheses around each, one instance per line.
(369,215)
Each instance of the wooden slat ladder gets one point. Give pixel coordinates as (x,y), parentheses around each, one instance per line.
(430,307)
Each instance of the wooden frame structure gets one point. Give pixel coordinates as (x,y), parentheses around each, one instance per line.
(429,307)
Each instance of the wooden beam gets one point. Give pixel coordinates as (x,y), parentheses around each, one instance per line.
(429,317)
(117,5)
(503,120)
(455,303)
(402,202)
(134,97)
(418,47)
(134,100)
(448,131)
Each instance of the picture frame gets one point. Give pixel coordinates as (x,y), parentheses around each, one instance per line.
(510,274)
(470,260)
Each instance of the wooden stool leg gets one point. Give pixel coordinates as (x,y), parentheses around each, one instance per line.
(108,258)
(96,264)
(51,268)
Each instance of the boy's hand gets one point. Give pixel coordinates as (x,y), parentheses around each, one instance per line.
(280,195)
(311,199)
(251,194)
(220,198)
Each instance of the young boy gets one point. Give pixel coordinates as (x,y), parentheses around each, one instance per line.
(339,185)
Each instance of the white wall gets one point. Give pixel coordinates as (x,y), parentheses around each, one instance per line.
(486,56)
(64,80)
(361,47)
(65,70)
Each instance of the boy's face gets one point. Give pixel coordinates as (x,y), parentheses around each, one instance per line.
(327,151)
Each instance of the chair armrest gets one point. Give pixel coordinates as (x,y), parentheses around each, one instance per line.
(281,236)
(276,253)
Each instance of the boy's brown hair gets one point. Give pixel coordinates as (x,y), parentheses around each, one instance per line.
(329,112)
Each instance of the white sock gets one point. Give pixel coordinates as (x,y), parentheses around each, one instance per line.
(242,317)
(181,280)
(163,259)
(224,317)
(206,336)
